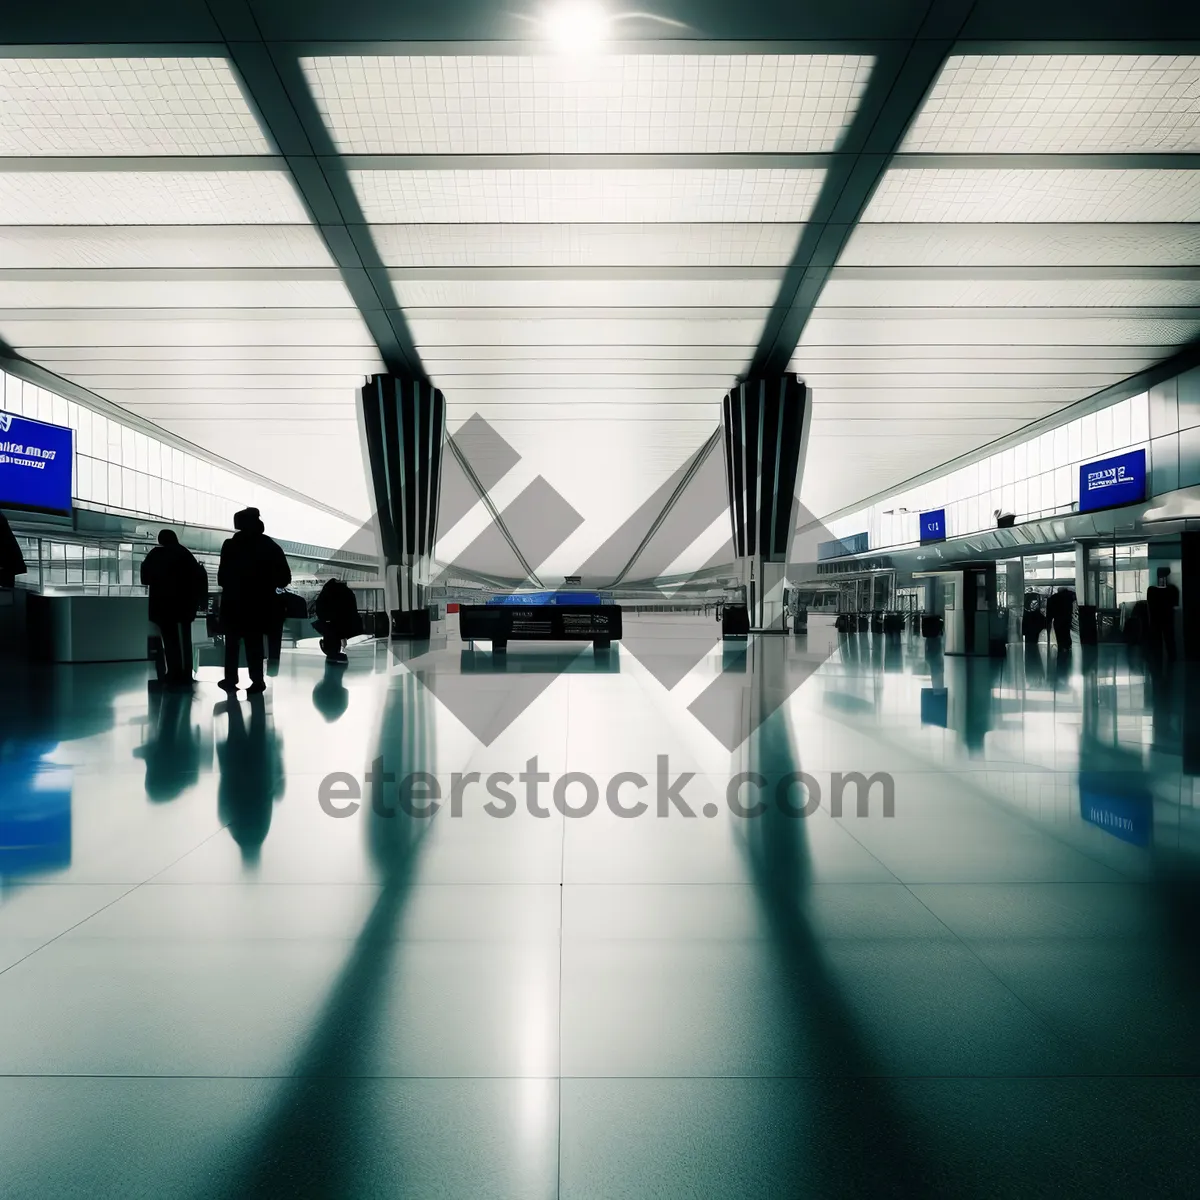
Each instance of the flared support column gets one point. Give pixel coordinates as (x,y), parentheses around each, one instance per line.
(765,425)
(405,425)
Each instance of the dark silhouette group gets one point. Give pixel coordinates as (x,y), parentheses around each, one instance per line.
(253,576)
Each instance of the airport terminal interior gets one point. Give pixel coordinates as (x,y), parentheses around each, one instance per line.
(599,602)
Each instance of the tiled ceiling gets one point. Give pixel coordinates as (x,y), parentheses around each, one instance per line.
(1021,253)
(587,251)
(164,260)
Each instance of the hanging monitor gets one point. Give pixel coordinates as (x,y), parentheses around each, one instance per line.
(1113,481)
(933,526)
(36,460)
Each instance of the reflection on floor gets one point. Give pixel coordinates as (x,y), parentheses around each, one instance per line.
(210,986)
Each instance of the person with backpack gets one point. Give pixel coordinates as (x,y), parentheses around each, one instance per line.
(253,570)
(337,618)
(178,587)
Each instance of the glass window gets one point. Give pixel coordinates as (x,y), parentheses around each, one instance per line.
(1104,431)
(1074,444)
(1087,430)
(1122,433)
(1139,419)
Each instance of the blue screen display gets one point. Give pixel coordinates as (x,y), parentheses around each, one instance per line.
(1113,481)
(533,599)
(933,525)
(35,464)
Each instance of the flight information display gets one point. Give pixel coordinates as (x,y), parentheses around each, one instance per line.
(35,465)
(1113,481)
(933,526)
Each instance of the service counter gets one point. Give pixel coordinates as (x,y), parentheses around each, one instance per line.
(66,627)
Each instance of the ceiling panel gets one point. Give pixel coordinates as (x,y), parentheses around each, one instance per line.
(757,244)
(606,103)
(173,293)
(1017,293)
(583,293)
(132,106)
(948,330)
(1010,194)
(553,195)
(551,331)
(148,198)
(1063,245)
(161,247)
(219,332)
(1061,103)
(706,361)
(225,376)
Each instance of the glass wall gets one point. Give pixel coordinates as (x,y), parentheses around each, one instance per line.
(1037,478)
(119,469)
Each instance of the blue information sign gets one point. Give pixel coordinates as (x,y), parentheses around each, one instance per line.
(35,465)
(1113,481)
(933,526)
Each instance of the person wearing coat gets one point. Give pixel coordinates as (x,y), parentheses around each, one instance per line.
(337,619)
(12,562)
(178,587)
(1059,609)
(253,569)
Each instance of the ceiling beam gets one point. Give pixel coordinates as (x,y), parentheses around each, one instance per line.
(275,88)
(896,89)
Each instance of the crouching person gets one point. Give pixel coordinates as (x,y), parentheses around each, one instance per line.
(337,618)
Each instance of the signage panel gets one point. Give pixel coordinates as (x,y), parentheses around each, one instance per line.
(539,623)
(35,465)
(1113,481)
(933,526)
(855,543)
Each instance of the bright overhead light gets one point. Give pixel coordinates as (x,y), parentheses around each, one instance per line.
(576,26)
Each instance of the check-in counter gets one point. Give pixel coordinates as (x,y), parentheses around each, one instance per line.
(65,627)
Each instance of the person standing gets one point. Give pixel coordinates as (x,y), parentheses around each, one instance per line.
(252,568)
(178,586)
(12,562)
(1059,609)
(1161,603)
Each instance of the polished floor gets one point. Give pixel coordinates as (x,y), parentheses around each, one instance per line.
(210,987)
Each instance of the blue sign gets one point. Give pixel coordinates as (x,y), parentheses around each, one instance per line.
(1113,481)
(534,599)
(1128,815)
(856,543)
(933,526)
(35,465)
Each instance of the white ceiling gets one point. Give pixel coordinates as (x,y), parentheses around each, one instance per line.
(593,309)
(978,294)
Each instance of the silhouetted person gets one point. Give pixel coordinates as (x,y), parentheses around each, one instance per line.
(252,778)
(1033,620)
(1059,609)
(12,562)
(253,567)
(1161,603)
(337,619)
(178,587)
